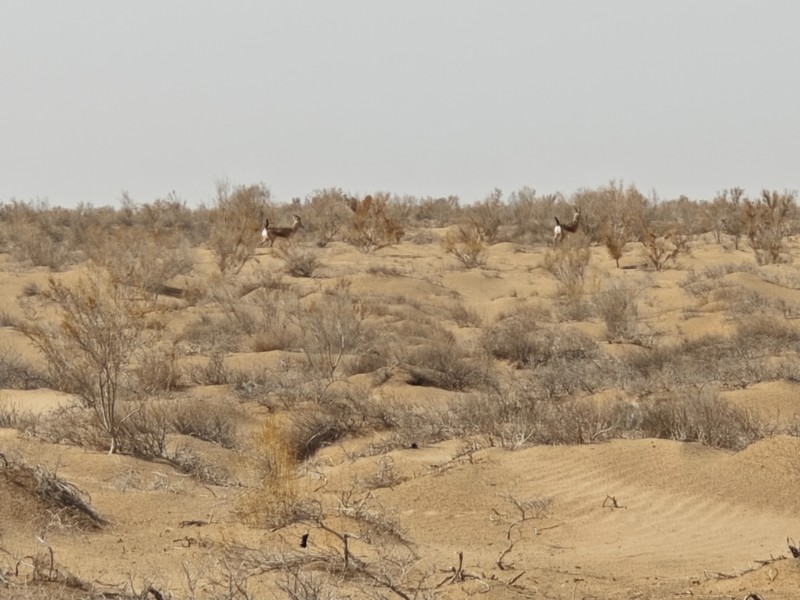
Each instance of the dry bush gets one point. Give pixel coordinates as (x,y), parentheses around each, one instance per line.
(437,212)
(91,351)
(18,373)
(767,224)
(236,224)
(191,463)
(298,262)
(157,370)
(447,366)
(616,305)
(516,337)
(371,227)
(466,245)
(207,420)
(333,329)
(567,263)
(213,372)
(71,424)
(704,418)
(530,217)
(142,258)
(329,207)
(35,233)
(661,251)
(487,216)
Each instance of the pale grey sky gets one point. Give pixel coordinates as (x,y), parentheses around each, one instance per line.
(420,97)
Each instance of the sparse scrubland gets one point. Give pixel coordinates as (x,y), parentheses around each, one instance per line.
(406,398)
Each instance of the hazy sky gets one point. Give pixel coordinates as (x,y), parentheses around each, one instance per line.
(420,97)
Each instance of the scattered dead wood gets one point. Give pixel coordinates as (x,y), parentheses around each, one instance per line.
(459,575)
(611,502)
(193,523)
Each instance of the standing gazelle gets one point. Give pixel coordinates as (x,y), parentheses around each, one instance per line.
(561,229)
(272,233)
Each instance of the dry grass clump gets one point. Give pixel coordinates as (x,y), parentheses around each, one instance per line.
(465,243)
(567,263)
(276,500)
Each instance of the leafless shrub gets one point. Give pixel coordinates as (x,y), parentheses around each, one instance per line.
(465,316)
(567,263)
(370,227)
(767,224)
(487,216)
(299,262)
(704,418)
(141,258)
(448,367)
(213,372)
(236,226)
(36,234)
(91,352)
(617,307)
(466,245)
(660,251)
(332,329)
(190,462)
(17,373)
(211,421)
(329,207)
(157,370)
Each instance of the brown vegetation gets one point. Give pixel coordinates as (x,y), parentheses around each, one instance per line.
(333,417)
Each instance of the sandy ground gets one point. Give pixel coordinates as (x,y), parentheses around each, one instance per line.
(625,519)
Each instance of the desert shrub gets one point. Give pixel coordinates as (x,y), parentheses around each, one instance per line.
(704,418)
(276,500)
(157,370)
(211,421)
(236,224)
(332,329)
(299,262)
(465,243)
(91,351)
(464,316)
(191,463)
(329,207)
(71,424)
(213,371)
(767,224)
(567,263)
(530,217)
(487,215)
(371,227)
(661,251)
(18,373)
(448,367)
(142,258)
(37,234)
(520,339)
(616,305)
(437,212)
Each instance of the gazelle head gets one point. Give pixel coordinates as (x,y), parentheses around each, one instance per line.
(297,222)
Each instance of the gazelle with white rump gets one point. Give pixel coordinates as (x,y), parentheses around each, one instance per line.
(561,229)
(273,233)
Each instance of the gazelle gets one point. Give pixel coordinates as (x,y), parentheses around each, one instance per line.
(265,231)
(561,229)
(272,233)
